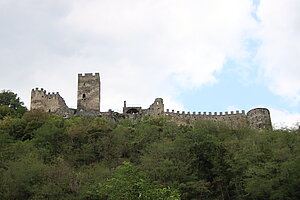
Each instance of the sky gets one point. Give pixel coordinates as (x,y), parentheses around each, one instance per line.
(198,55)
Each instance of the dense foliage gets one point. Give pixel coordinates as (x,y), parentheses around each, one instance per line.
(10,104)
(43,156)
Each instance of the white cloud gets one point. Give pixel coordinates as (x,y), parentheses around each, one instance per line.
(155,46)
(146,49)
(280,51)
(284,119)
(142,49)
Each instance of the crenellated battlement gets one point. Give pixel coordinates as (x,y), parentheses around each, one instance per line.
(213,114)
(233,119)
(89,75)
(37,90)
(41,93)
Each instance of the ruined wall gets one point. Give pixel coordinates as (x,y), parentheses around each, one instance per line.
(156,109)
(131,110)
(232,119)
(88,94)
(259,118)
(49,102)
(112,115)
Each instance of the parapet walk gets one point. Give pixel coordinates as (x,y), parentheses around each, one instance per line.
(88,104)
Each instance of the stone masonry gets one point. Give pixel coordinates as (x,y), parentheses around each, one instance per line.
(49,102)
(88,104)
(88,94)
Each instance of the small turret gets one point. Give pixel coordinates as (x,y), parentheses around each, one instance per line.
(38,97)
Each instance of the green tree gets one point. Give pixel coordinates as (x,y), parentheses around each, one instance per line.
(275,163)
(21,178)
(90,140)
(34,119)
(50,140)
(14,127)
(10,104)
(128,184)
(6,111)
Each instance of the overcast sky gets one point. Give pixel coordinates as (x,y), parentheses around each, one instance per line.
(199,55)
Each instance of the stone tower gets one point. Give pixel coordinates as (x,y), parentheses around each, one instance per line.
(259,118)
(88,94)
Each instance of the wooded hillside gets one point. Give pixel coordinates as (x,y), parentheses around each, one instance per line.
(44,156)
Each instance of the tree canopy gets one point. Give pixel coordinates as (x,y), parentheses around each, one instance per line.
(44,156)
(10,104)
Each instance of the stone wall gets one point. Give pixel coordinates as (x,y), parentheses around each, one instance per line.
(155,109)
(232,119)
(131,110)
(49,102)
(88,94)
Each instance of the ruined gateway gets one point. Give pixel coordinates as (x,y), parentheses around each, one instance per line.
(88,104)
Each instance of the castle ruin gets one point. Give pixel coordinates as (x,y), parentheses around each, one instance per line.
(88,104)
(88,94)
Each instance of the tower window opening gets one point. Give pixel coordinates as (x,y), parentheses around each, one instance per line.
(83,96)
(49,110)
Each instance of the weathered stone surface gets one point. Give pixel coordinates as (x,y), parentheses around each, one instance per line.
(155,109)
(88,94)
(259,118)
(51,102)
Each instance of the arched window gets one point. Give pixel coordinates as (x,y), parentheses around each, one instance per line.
(83,96)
